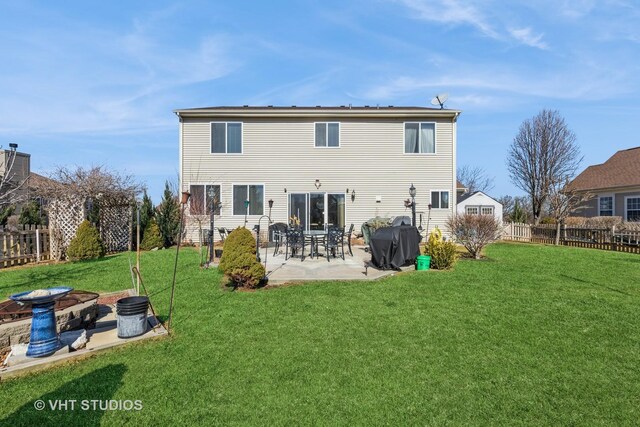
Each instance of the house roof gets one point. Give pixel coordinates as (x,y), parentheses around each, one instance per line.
(470,195)
(460,186)
(621,170)
(318,110)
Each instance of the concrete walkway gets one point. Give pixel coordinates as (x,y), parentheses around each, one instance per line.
(356,267)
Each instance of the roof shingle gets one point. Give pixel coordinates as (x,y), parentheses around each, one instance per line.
(621,170)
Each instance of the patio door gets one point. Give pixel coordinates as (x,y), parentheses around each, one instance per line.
(314,210)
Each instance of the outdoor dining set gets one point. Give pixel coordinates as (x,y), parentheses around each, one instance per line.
(328,241)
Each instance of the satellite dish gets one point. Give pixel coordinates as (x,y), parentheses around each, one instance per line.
(440,99)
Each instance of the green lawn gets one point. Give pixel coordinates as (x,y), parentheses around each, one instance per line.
(532,335)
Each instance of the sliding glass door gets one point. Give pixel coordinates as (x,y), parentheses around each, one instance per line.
(317,210)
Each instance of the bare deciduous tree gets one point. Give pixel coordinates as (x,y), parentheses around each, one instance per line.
(543,152)
(563,201)
(475,178)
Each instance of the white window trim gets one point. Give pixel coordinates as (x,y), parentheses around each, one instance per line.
(205,195)
(435,140)
(493,210)
(466,210)
(626,206)
(264,196)
(440,191)
(226,139)
(613,203)
(327,127)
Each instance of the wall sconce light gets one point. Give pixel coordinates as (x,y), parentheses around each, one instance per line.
(285,190)
(347,191)
(353,195)
(318,185)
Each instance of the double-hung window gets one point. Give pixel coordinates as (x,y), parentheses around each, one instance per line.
(203,199)
(440,199)
(419,138)
(226,137)
(327,134)
(472,210)
(254,194)
(605,206)
(633,208)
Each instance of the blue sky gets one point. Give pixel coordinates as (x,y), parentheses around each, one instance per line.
(88,83)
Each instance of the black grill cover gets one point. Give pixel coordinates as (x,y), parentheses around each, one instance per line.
(395,247)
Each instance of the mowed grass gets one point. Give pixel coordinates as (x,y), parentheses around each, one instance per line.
(533,334)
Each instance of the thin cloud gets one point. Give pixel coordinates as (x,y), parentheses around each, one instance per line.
(526,36)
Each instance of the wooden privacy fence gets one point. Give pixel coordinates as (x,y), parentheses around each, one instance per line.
(610,239)
(26,244)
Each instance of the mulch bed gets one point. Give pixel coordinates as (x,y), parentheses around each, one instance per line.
(112,298)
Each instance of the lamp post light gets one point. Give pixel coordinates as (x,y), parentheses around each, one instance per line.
(412,193)
(213,206)
(246,210)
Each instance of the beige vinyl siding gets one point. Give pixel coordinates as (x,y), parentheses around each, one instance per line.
(280,153)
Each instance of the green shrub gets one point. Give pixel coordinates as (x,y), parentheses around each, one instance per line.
(238,260)
(443,253)
(152,237)
(86,244)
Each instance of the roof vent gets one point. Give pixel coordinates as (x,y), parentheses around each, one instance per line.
(342,106)
(317,106)
(245,106)
(293,106)
(366,106)
(270,106)
(390,106)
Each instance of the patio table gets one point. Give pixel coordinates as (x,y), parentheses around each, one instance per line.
(315,236)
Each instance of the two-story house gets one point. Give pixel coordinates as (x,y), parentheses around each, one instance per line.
(321,165)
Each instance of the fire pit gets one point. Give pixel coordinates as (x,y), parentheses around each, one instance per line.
(44,339)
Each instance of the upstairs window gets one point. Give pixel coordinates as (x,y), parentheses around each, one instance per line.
(440,199)
(605,205)
(226,138)
(327,135)
(201,202)
(420,138)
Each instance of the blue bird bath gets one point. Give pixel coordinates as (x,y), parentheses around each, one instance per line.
(44,339)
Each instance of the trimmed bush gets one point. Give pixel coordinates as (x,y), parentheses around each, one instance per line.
(238,260)
(443,253)
(152,237)
(87,243)
(474,232)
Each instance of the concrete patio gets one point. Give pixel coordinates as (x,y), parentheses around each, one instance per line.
(356,267)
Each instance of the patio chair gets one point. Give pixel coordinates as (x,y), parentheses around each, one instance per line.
(279,235)
(347,238)
(334,241)
(224,233)
(295,241)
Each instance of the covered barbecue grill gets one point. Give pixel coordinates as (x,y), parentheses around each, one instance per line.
(395,247)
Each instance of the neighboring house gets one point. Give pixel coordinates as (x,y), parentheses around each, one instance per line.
(20,168)
(478,203)
(324,165)
(460,188)
(615,185)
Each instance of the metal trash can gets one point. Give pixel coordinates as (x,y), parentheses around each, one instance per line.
(132,316)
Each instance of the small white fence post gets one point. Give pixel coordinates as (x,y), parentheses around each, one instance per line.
(37,244)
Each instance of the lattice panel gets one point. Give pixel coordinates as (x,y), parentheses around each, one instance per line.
(65,216)
(115,227)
